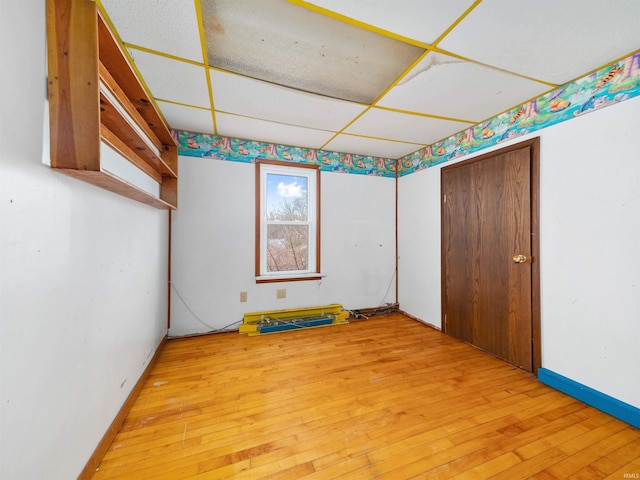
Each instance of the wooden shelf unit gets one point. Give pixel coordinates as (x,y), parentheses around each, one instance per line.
(95,96)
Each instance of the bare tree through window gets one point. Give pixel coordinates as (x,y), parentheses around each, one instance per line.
(287,228)
(287,221)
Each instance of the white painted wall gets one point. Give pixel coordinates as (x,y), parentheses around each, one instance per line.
(419,245)
(590,237)
(213,246)
(82,281)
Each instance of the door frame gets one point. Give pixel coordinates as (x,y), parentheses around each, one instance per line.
(534,154)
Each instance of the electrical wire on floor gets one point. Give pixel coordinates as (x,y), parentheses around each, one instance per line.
(214,329)
(393,275)
(381,309)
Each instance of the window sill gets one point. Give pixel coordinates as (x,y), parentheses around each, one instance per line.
(299,277)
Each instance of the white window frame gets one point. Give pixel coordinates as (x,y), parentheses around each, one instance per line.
(312,173)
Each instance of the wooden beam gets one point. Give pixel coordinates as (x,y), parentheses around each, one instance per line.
(74,111)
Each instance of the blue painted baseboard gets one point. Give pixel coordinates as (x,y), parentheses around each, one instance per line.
(612,406)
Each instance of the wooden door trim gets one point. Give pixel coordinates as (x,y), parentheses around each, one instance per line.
(534,146)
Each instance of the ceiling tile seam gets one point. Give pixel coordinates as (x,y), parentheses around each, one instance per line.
(401,76)
(251,117)
(426,115)
(393,84)
(151,51)
(197,107)
(129,58)
(176,58)
(456,23)
(357,23)
(493,67)
(205,58)
(486,120)
(345,127)
(408,156)
(426,47)
(482,121)
(292,89)
(406,142)
(516,112)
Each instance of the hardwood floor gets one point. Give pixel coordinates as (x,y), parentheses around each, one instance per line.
(386,398)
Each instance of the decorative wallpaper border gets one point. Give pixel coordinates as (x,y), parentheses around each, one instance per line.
(248,151)
(612,84)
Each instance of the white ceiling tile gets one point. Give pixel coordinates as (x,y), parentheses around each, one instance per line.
(403,126)
(169,26)
(263,131)
(446,86)
(422,20)
(370,146)
(190,119)
(550,40)
(254,98)
(173,80)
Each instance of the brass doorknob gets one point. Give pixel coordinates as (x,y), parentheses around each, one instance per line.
(519,258)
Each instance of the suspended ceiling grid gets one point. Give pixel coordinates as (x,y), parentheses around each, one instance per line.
(478,59)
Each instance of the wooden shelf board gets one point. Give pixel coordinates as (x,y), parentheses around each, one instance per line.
(115,60)
(123,128)
(109,181)
(123,149)
(107,80)
(95,95)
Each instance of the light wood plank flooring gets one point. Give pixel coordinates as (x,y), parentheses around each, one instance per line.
(386,398)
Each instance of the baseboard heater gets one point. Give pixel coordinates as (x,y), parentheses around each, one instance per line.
(259,323)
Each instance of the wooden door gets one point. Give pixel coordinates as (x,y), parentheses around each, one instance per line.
(487,223)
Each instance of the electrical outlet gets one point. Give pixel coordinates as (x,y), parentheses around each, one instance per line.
(243,296)
(281,293)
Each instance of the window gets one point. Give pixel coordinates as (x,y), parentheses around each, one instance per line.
(287,222)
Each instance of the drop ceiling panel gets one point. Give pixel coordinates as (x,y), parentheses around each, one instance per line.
(282,43)
(370,146)
(550,40)
(245,96)
(263,131)
(402,126)
(496,55)
(173,80)
(169,26)
(446,86)
(191,119)
(422,20)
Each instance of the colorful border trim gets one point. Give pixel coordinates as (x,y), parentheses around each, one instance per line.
(612,84)
(248,151)
(612,406)
(618,82)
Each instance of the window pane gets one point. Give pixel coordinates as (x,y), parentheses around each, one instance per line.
(287,247)
(287,198)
